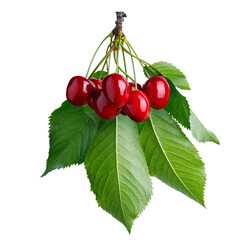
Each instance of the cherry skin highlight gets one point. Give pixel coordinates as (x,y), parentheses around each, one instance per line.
(158,91)
(116,89)
(132,86)
(79,91)
(102,107)
(138,106)
(97,83)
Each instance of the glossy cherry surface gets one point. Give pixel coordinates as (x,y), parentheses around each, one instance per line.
(116,89)
(158,91)
(138,106)
(102,107)
(79,91)
(97,83)
(132,86)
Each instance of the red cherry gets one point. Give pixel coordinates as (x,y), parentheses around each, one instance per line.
(116,89)
(97,83)
(132,86)
(158,91)
(138,106)
(79,91)
(102,107)
(90,102)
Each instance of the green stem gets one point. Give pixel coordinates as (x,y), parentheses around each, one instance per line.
(103,68)
(95,54)
(139,59)
(133,66)
(109,52)
(124,61)
(115,59)
(109,59)
(109,46)
(106,61)
(119,44)
(130,46)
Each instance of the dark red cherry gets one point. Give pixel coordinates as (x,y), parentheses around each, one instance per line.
(132,86)
(102,107)
(138,106)
(158,91)
(97,83)
(116,89)
(90,102)
(79,91)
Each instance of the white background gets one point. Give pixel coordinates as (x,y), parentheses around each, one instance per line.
(44,43)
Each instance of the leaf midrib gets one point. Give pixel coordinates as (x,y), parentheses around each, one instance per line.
(118,178)
(158,140)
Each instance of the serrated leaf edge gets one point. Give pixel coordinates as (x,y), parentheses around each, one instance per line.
(149,196)
(213,137)
(199,201)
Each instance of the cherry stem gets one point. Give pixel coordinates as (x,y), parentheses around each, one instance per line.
(133,66)
(124,61)
(109,59)
(106,61)
(102,69)
(139,59)
(119,44)
(96,53)
(114,54)
(130,46)
(109,52)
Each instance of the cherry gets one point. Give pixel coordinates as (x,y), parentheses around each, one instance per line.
(90,102)
(132,86)
(116,89)
(102,107)
(158,91)
(138,106)
(97,83)
(79,91)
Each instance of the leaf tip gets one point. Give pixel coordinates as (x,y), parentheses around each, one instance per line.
(215,139)
(45,173)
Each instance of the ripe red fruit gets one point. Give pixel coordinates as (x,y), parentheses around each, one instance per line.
(97,83)
(79,91)
(90,102)
(138,106)
(158,91)
(102,107)
(132,86)
(116,89)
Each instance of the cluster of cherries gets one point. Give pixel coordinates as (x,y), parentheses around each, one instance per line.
(114,95)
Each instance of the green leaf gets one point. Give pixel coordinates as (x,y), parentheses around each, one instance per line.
(117,170)
(178,107)
(71,132)
(99,74)
(171,157)
(171,72)
(199,132)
